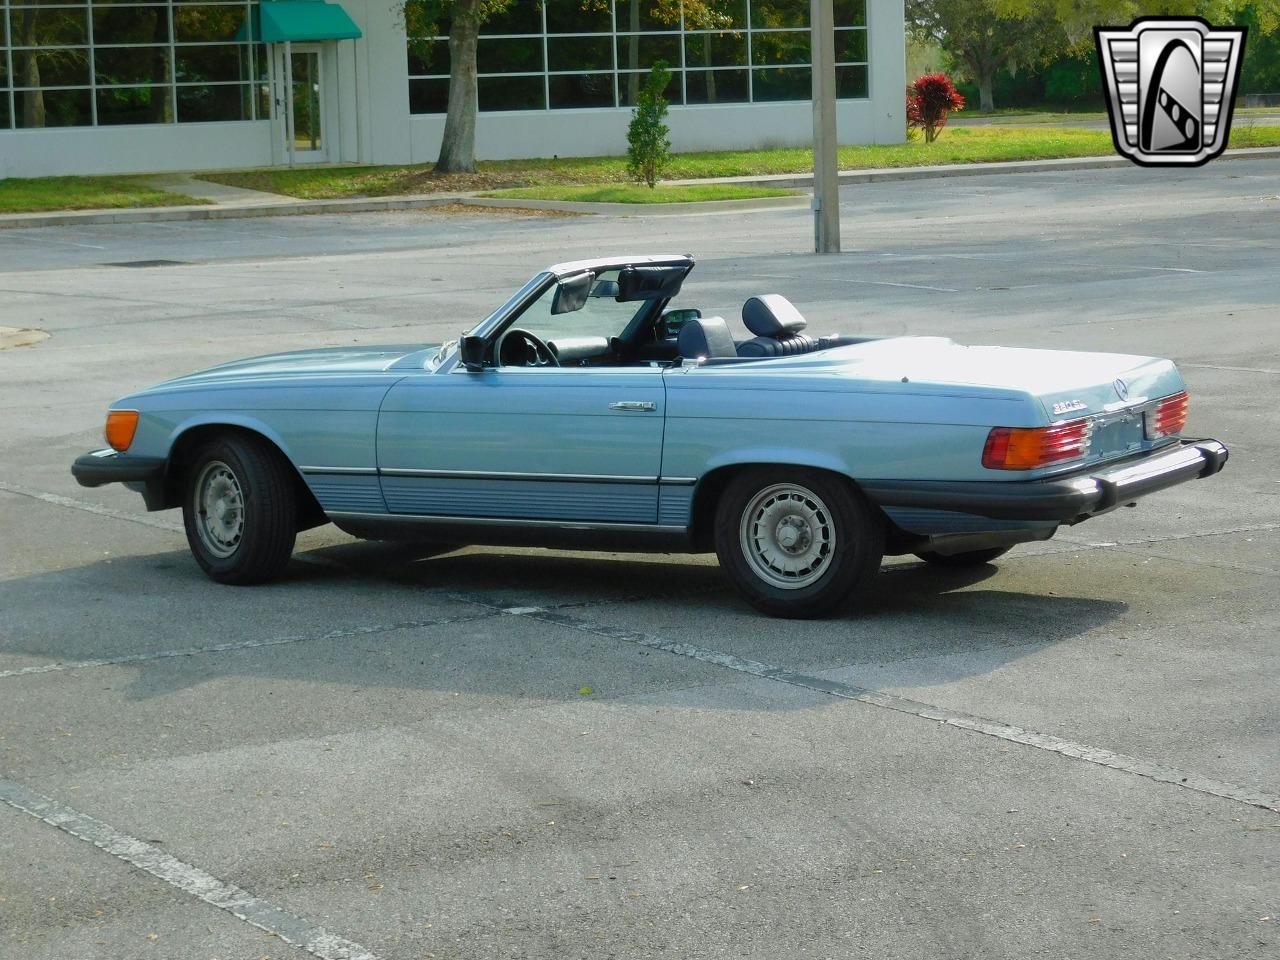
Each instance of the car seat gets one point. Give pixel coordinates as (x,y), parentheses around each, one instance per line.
(777,326)
(706,337)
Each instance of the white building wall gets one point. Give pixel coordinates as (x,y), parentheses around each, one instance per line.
(150,148)
(603,132)
(382,86)
(368,118)
(881,118)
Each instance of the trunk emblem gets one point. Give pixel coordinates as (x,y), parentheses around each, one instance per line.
(1067,406)
(1122,389)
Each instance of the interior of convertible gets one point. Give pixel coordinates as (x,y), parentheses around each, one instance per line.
(624,317)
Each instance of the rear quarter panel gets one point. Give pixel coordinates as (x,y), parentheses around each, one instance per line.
(717,416)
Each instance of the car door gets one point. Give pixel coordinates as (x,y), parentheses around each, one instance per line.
(548,444)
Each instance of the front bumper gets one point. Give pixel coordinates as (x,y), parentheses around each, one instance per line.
(1066,499)
(106,466)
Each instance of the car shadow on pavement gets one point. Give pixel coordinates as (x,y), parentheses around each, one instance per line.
(380,616)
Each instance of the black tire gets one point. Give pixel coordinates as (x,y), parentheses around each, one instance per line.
(972,558)
(255,547)
(824,507)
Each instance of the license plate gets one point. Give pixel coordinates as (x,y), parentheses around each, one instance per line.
(1116,435)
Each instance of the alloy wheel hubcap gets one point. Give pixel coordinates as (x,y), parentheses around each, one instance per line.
(787,536)
(219,504)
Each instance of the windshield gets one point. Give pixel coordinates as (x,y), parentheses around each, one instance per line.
(601,316)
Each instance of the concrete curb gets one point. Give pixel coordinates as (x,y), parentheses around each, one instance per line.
(886,174)
(640,209)
(287,208)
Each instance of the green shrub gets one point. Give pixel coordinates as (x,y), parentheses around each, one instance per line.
(648,149)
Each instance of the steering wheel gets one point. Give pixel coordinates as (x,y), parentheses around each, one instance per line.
(520,348)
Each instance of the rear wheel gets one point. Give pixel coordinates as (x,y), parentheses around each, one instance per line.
(972,558)
(797,543)
(240,510)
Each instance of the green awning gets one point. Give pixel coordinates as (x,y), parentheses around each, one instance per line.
(303,21)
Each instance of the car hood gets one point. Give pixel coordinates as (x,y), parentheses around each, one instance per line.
(329,360)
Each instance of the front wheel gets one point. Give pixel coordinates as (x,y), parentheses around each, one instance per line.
(240,510)
(797,543)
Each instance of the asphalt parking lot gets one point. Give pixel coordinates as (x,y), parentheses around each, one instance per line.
(524,753)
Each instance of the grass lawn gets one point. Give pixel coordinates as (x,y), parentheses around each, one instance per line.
(1074,111)
(633,193)
(84,193)
(956,145)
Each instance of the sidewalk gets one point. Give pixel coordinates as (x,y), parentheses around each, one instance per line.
(216,193)
(232,202)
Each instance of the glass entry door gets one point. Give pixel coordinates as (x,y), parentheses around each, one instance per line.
(305,136)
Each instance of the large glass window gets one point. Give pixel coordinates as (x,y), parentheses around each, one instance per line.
(85,62)
(564,54)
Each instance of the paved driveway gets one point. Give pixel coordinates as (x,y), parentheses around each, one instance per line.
(521,753)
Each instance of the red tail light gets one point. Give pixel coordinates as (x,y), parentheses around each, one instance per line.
(1019,448)
(1168,418)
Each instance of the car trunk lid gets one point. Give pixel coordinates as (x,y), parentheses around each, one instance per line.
(1109,389)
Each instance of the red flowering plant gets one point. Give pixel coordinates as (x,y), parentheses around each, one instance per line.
(929,100)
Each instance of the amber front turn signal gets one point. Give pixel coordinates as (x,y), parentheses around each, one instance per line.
(121,425)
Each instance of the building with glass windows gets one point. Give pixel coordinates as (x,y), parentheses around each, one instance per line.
(111,86)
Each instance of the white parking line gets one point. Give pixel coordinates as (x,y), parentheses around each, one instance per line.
(1219,366)
(992,728)
(234,900)
(94,508)
(343,634)
(886,283)
(146,520)
(1148,541)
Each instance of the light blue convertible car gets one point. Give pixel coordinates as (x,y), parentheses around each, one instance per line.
(594,410)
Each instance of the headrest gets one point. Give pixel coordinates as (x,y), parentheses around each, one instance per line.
(772,315)
(705,337)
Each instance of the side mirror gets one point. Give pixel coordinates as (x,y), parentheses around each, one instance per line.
(671,322)
(472,351)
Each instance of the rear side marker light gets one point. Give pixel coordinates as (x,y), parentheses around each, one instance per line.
(1168,417)
(1022,448)
(121,426)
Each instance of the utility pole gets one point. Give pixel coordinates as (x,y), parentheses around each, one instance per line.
(826,193)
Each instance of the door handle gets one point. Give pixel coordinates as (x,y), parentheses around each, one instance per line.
(640,406)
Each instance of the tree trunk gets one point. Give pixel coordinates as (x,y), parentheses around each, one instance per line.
(161,107)
(633,54)
(29,72)
(986,76)
(711,76)
(458,144)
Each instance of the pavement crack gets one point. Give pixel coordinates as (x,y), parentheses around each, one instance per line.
(1100,756)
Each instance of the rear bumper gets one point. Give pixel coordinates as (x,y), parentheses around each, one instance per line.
(106,466)
(1068,498)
